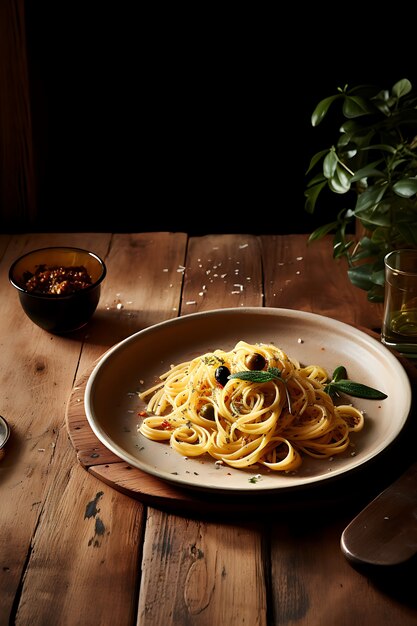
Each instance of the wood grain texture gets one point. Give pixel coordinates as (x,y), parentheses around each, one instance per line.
(222,271)
(312,582)
(97,565)
(303,276)
(17,161)
(208,573)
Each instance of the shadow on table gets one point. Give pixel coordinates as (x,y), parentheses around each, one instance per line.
(398,582)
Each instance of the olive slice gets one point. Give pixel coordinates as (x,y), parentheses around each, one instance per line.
(255,361)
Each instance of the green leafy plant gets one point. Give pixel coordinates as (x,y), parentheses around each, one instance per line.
(375,157)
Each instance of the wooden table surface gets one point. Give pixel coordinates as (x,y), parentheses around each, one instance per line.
(76,550)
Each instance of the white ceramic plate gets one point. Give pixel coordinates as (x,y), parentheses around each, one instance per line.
(112,403)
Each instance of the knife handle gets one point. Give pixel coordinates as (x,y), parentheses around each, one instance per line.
(385,531)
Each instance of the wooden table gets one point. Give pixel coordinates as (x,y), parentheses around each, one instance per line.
(76,550)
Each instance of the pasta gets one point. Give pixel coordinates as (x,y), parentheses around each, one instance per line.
(270,411)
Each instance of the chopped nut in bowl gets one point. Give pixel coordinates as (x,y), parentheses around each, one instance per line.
(59,287)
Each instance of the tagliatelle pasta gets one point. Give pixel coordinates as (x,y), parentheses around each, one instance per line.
(273,413)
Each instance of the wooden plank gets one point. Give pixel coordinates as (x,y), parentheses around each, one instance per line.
(84,555)
(207,573)
(222,271)
(142,287)
(312,582)
(307,278)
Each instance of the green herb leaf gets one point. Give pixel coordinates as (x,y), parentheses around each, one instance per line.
(340,384)
(339,373)
(258,376)
(357,390)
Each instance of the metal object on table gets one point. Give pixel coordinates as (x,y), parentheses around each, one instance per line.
(385,531)
(4,434)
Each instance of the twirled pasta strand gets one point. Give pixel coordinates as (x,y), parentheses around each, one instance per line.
(244,423)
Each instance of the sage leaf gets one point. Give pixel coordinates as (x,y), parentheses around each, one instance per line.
(340,384)
(339,373)
(257,376)
(357,390)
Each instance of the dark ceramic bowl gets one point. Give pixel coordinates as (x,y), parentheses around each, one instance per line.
(73,303)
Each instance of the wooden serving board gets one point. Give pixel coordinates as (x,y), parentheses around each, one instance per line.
(106,466)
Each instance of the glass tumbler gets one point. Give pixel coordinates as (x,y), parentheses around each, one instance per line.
(399,324)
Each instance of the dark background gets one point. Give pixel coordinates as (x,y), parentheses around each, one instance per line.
(186,122)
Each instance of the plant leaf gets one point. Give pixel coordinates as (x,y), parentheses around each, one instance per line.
(256,376)
(406,187)
(378,278)
(408,232)
(321,109)
(357,390)
(376,294)
(340,383)
(338,186)
(360,276)
(315,159)
(368,170)
(321,231)
(355,106)
(369,198)
(340,372)
(312,194)
(402,88)
(330,163)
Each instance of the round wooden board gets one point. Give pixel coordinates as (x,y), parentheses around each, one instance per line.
(107,467)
